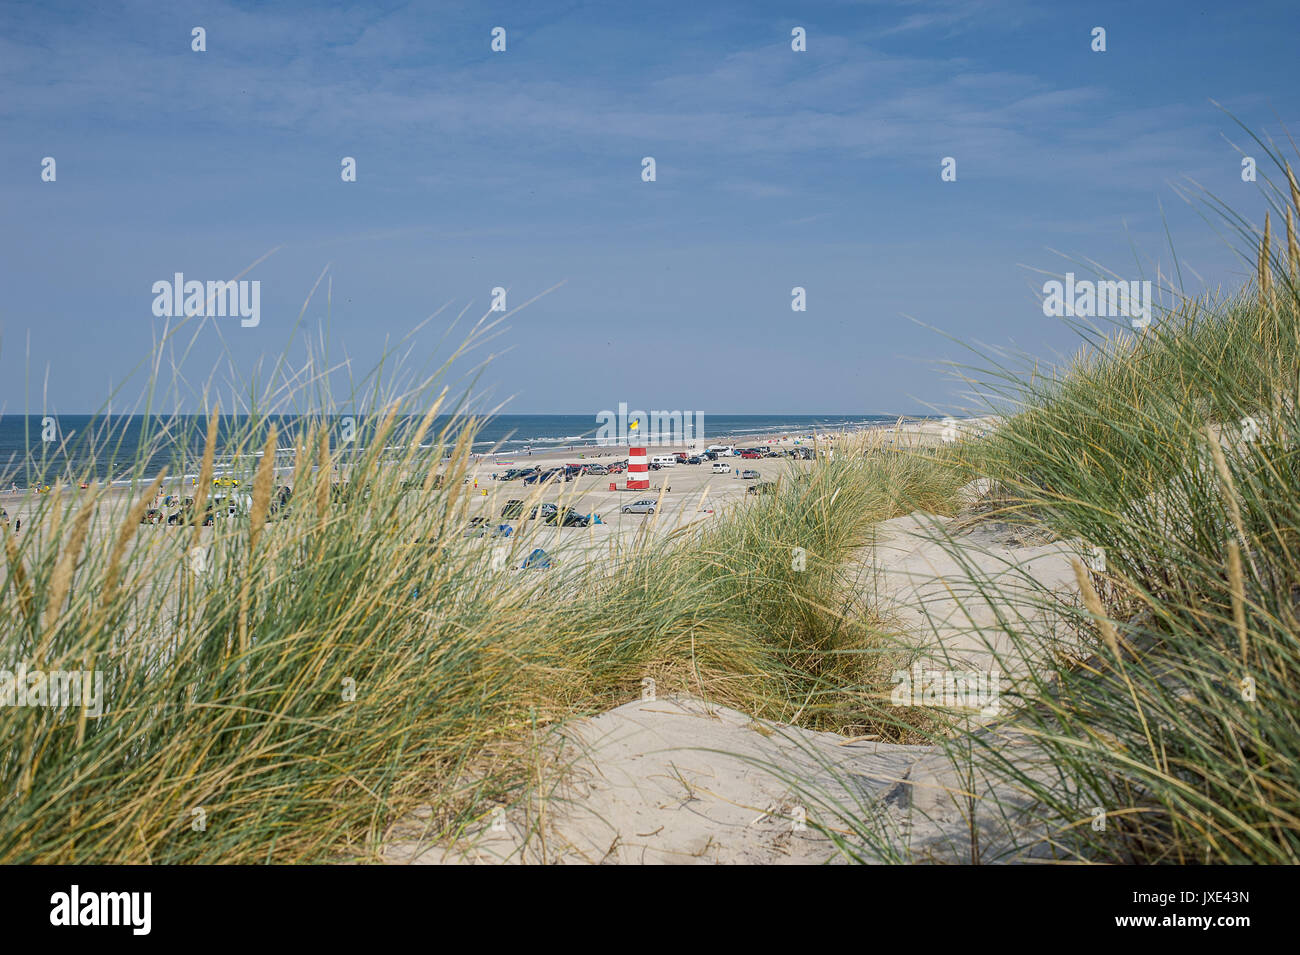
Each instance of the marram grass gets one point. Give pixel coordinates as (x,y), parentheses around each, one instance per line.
(289,690)
(1176,451)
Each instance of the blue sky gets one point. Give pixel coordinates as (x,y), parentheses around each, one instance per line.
(522,169)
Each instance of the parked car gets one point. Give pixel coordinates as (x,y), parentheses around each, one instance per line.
(720,468)
(513,509)
(646,506)
(596,469)
(570,518)
(762,487)
(543,477)
(749,474)
(616,468)
(695,459)
(750,455)
(545,510)
(225,482)
(231,506)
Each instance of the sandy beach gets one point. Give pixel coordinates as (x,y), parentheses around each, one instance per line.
(685,494)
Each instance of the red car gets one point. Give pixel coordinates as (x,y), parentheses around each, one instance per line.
(751,455)
(617,468)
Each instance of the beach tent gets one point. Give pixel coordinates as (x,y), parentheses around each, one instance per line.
(538,558)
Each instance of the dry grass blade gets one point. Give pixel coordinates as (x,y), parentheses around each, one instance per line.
(1225,481)
(263,482)
(324,468)
(204,484)
(1292,248)
(301,459)
(1266,263)
(126,533)
(1238,587)
(1092,601)
(1110,636)
(64,569)
(1295,189)
(18,575)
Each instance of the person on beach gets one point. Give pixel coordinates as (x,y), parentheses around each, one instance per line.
(18,526)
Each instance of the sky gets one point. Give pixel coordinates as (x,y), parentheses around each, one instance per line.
(522,169)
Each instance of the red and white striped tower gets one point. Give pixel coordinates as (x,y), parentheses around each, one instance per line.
(638,470)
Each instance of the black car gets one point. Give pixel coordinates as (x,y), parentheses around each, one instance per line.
(762,487)
(695,459)
(512,509)
(544,477)
(571,518)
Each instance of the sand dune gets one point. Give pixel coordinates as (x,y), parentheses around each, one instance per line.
(681,780)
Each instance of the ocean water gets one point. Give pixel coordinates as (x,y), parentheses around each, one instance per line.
(106,448)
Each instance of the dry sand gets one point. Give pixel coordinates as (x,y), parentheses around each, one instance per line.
(682,780)
(685,781)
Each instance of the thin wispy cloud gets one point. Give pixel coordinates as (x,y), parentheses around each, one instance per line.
(520,168)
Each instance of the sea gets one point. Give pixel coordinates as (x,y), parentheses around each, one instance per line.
(40,448)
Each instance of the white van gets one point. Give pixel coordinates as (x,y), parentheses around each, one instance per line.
(720,468)
(722,450)
(664,460)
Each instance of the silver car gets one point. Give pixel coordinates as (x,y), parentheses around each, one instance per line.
(640,507)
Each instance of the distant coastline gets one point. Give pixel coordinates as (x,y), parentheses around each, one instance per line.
(505,435)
